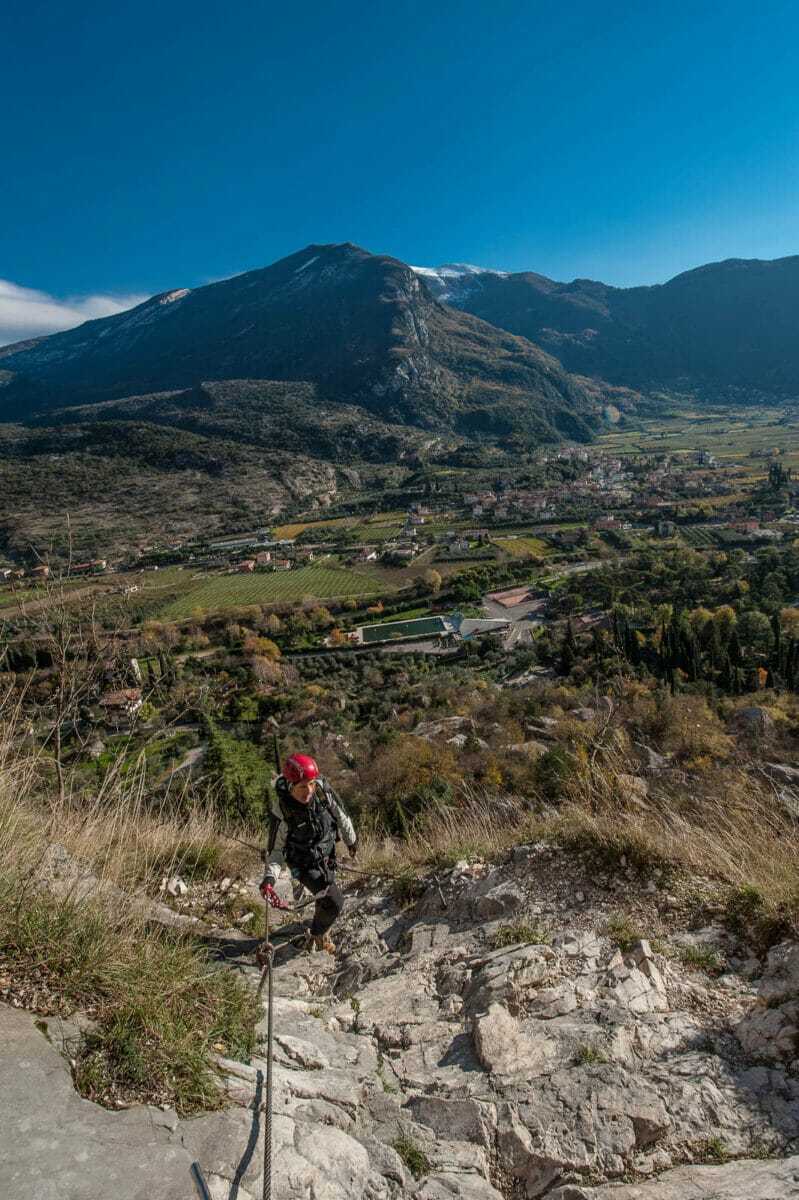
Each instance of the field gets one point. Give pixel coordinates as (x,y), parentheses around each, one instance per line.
(699,538)
(378,527)
(13,597)
(223,592)
(27,597)
(518,546)
(745,436)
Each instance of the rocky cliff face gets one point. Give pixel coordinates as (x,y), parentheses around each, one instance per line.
(512,1034)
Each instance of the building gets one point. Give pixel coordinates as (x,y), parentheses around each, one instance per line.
(122,707)
(744,525)
(606,523)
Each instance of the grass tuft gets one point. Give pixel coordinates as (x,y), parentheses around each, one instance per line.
(523,933)
(587,1054)
(622,932)
(414,1158)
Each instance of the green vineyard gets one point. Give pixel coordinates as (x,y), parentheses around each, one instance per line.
(224,592)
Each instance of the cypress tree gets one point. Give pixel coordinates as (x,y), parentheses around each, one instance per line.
(776,654)
(568,650)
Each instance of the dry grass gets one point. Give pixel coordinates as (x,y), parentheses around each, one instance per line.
(481,828)
(70,939)
(721,823)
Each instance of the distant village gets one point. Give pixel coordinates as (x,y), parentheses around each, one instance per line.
(659,494)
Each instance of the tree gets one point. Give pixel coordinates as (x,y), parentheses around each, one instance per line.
(568,650)
(725,620)
(754,631)
(433,580)
(261,646)
(237,774)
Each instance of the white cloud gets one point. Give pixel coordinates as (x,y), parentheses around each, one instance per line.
(25,313)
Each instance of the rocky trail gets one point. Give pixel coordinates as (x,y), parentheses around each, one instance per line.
(531,1029)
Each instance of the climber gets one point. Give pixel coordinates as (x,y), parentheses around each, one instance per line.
(303,827)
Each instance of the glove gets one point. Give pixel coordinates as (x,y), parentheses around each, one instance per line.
(267,890)
(353,850)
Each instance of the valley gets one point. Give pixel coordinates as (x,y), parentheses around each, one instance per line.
(540,632)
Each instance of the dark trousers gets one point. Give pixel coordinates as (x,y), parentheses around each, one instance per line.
(328,908)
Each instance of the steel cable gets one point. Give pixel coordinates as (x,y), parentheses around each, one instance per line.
(266,975)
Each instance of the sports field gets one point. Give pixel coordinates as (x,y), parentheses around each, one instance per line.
(222,592)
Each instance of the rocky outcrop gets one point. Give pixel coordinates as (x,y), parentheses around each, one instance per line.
(502,1039)
(747,1179)
(771,1031)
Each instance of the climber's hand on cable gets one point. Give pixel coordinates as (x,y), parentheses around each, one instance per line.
(267,890)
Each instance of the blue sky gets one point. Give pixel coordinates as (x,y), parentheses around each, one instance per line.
(152,146)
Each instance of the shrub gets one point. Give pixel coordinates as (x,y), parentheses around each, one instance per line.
(554,771)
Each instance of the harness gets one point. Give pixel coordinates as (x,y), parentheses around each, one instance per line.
(311,829)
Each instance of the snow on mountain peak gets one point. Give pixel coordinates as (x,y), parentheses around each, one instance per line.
(456,271)
(454,278)
(170,297)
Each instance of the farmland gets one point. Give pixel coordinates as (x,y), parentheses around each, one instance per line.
(224,592)
(516,547)
(699,537)
(379,527)
(732,435)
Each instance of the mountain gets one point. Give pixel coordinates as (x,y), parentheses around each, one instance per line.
(719,329)
(361,329)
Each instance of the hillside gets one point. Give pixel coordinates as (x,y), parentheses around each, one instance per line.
(360,328)
(532,997)
(719,329)
(107,487)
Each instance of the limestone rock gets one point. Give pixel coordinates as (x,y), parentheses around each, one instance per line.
(771,1033)
(508,976)
(781,978)
(591,1119)
(499,1041)
(448,1185)
(461,1120)
(741,1180)
(771,1029)
(752,720)
(547,1064)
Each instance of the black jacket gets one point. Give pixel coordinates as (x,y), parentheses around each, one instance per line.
(304,835)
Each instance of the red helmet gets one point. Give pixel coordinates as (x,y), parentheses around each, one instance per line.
(299,768)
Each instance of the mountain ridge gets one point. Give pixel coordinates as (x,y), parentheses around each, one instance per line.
(362,328)
(714,329)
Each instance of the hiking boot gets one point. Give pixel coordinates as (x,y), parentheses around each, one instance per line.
(319,941)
